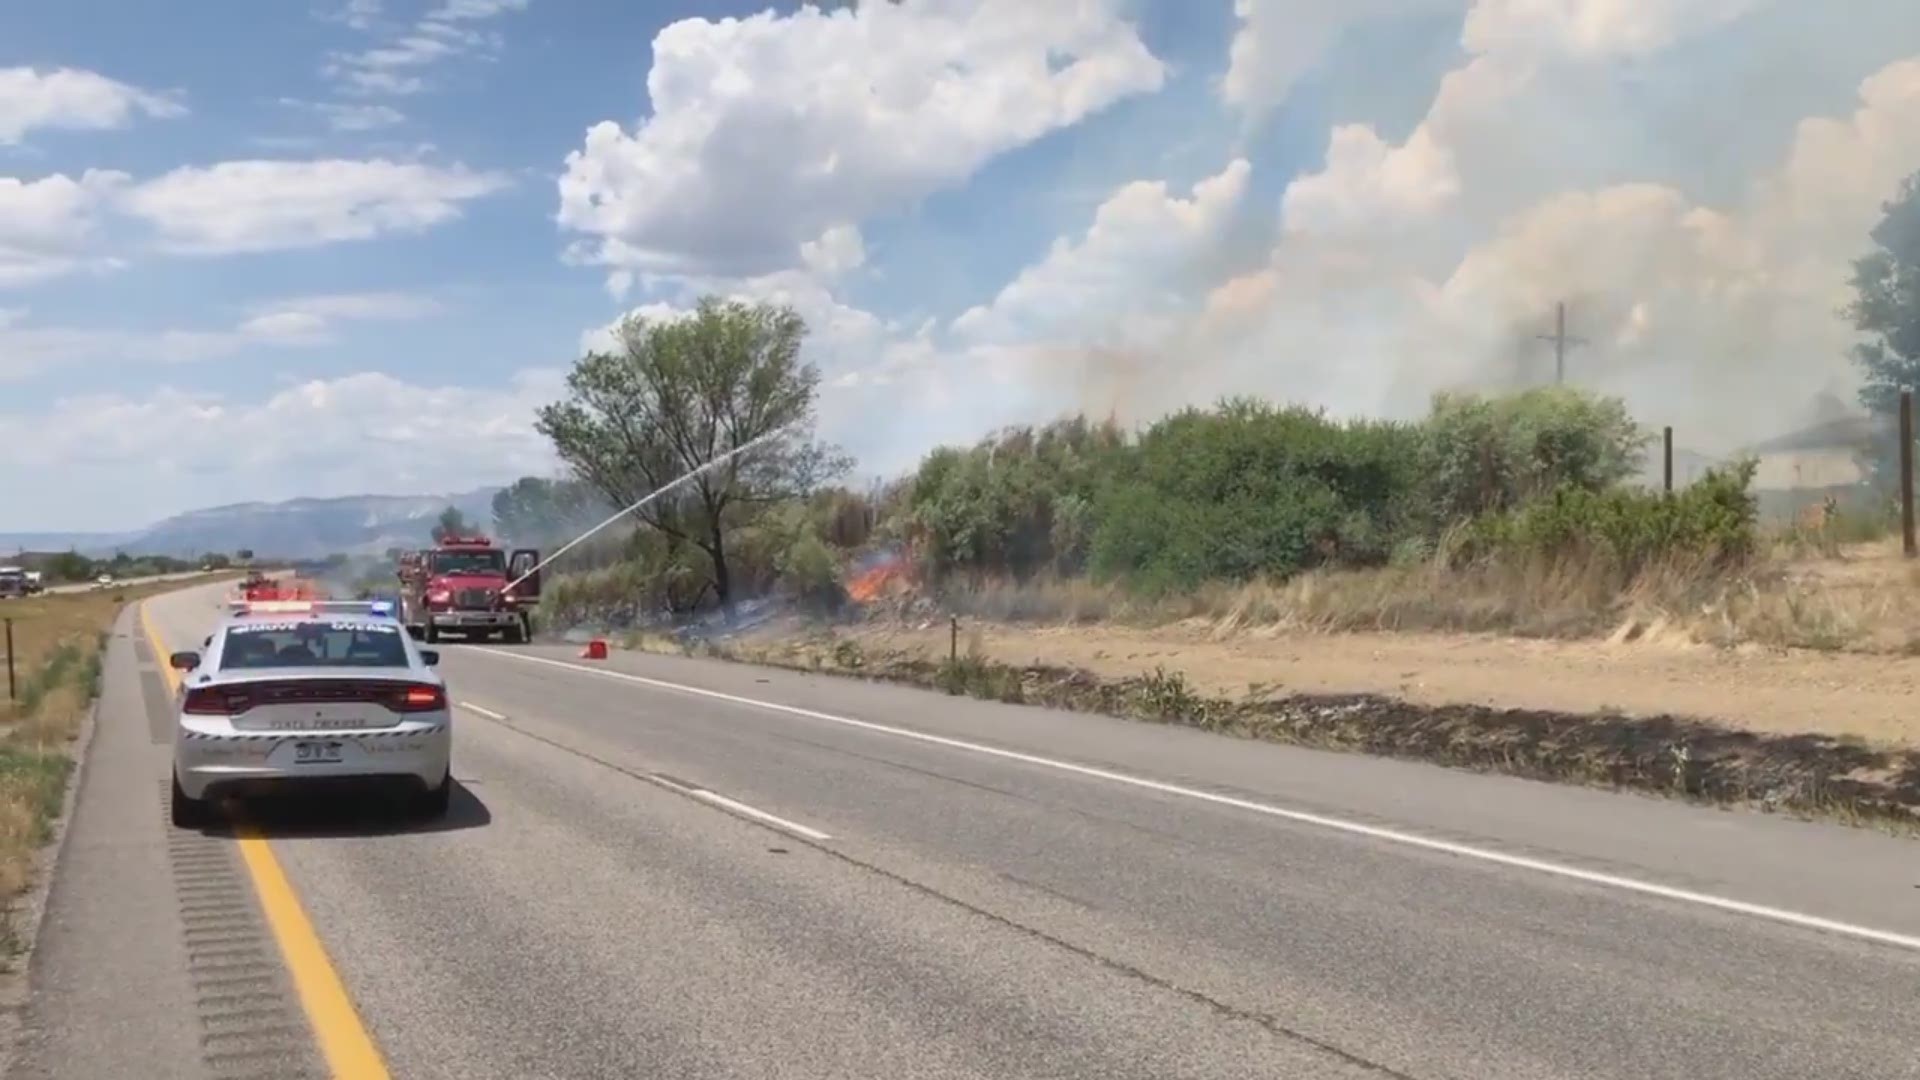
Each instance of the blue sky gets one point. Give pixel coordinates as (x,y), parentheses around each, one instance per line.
(259,250)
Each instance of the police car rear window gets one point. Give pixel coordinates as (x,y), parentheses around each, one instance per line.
(259,646)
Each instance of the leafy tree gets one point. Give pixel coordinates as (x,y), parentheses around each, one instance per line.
(451,523)
(244,555)
(1886,309)
(536,510)
(69,566)
(678,394)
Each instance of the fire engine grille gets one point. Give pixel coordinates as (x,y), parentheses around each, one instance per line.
(474,599)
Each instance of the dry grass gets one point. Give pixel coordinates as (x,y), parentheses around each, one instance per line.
(1812,775)
(1808,591)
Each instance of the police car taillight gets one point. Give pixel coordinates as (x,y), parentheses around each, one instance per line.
(216,701)
(418,699)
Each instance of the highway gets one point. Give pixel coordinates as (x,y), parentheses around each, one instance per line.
(667,867)
(84,586)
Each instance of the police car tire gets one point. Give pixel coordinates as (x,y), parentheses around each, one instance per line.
(432,803)
(187,813)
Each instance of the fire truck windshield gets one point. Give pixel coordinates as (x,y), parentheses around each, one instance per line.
(468,562)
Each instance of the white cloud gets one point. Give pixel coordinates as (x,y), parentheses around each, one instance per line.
(27,349)
(1369,183)
(47,226)
(1138,264)
(241,206)
(1594,28)
(837,251)
(769,131)
(1279,42)
(113,460)
(349,117)
(357,14)
(444,33)
(74,99)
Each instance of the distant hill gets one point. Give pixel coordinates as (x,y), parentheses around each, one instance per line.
(295,529)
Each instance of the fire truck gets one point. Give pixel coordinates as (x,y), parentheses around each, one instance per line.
(460,586)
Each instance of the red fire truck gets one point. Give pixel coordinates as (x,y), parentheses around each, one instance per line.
(460,585)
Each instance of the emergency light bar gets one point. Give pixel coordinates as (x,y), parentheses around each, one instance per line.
(375,608)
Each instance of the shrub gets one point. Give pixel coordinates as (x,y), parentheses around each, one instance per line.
(811,572)
(1250,490)
(1016,502)
(1490,455)
(1713,520)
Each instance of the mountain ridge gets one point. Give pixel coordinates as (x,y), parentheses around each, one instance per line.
(303,527)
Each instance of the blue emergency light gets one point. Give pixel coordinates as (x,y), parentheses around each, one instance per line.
(381,609)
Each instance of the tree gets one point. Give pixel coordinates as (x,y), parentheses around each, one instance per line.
(677,394)
(536,510)
(451,523)
(69,566)
(1886,309)
(244,555)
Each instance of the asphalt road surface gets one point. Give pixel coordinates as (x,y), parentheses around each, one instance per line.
(675,868)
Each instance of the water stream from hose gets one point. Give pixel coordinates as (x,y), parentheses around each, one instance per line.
(649,497)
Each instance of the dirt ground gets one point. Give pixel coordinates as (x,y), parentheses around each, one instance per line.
(1874,698)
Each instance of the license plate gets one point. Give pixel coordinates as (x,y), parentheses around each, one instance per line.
(316,753)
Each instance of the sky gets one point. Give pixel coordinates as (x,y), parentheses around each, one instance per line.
(329,247)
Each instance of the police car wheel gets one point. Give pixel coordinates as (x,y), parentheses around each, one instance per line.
(187,813)
(431,803)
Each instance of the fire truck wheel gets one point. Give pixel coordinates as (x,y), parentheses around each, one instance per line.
(513,635)
(433,634)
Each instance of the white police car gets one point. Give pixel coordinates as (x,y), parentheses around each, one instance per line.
(303,694)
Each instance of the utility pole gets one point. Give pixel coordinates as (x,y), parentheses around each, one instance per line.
(1560,342)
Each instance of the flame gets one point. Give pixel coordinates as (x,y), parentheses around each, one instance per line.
(867,586)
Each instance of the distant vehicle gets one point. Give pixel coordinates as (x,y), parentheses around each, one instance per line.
(290,693)
(13,582)
(460,585)
(103,581)
(35,583)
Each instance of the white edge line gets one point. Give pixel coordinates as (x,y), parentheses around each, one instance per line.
(739,807)
(488,713)
(1355,828)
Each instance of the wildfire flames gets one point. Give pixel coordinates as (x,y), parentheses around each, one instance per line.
(867,585)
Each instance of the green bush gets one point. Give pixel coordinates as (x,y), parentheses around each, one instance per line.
(1715,519)
(1015,503)
(1489,455)
(1249,490)
(811,572)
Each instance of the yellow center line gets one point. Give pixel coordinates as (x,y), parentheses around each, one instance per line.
(343,1038)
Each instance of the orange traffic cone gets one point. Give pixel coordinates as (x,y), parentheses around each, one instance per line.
(596,650)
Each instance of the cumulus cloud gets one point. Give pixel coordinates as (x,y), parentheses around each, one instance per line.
(117,460)
(243,206)
(1138,263)
(770,131)
(48,226)
(74,99)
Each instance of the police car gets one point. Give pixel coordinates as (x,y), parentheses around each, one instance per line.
(300,693)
